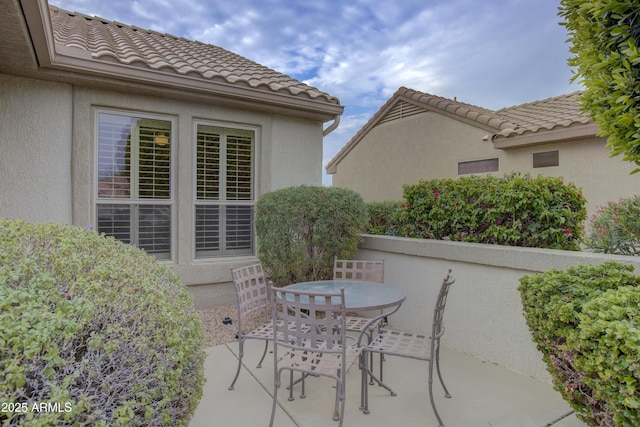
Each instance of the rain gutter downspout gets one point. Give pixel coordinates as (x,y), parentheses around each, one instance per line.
(332,127)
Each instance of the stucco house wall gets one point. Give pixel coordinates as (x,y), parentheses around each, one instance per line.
(35,147)
(417,136)
(53,86)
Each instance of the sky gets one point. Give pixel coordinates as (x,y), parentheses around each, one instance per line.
(489,53)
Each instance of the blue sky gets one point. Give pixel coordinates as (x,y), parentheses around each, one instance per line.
(490,53)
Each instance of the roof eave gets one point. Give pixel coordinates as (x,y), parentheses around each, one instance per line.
(557,134)
(74,60)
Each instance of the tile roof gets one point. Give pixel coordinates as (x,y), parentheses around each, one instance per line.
(124,44)
(549,114)
(559,111)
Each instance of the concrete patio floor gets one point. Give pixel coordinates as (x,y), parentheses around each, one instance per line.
(483,394)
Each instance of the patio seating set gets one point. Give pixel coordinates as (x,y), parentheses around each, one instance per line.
(312,333)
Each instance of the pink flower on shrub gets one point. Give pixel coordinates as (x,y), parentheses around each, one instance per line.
(436,194)
(567,231)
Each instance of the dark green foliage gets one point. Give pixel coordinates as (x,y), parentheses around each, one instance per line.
(383,217)
(515,210)
(605,37)
(301,229)
(95,326)
(586,323)
(615,228)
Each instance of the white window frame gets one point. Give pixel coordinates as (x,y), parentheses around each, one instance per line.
(137,202)
(222,201)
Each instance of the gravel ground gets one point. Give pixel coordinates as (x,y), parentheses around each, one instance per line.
(217,333)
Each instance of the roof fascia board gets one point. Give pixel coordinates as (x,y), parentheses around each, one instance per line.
(75,60)
(36,14)
(558,134)
(332,166)
(451,115)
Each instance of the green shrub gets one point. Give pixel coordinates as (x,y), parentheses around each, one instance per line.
(615,228)
(301,229)
(383,217)
(515,210)
(93,332)
(561,310)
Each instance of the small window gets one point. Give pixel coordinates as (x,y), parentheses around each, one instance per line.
(546,159)
(478,166)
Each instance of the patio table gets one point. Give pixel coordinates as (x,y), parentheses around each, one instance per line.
(358,295)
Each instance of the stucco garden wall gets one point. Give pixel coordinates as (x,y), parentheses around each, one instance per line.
(484,311)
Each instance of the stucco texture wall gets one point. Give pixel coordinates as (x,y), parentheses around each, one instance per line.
(35,147)
(288,152)
(404,151)
(430,145)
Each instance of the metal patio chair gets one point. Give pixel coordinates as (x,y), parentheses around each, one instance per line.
(252,299)
(311,339)
(361,270)
(414,346)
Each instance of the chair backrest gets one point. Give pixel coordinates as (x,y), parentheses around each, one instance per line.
(361,270)
(437,327)
(251,290)
(306,320)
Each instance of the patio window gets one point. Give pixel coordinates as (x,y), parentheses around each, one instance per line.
(224,200)
(134,201)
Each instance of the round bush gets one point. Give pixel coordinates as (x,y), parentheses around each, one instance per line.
(301,229)
(584,321)
(93,332)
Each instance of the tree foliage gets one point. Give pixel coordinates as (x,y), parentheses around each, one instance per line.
(605,35)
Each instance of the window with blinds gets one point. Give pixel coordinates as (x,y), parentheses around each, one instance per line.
(224,206)
(134,194)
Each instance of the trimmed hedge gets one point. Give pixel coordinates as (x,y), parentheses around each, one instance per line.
(586,323)
(93,332)
(301,229)
(514,210)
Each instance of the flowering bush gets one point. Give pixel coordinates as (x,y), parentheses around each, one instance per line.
(615,228)
(515,210)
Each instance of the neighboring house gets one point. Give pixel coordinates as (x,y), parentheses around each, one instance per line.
(416,136)
(162,142)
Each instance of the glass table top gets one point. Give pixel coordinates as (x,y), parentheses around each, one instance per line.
(358,295)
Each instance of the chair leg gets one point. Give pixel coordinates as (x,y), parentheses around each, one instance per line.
(240,354)
(364,384)
(264,353)
(276,386)
(446,392)
(433,403)
(337,413)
